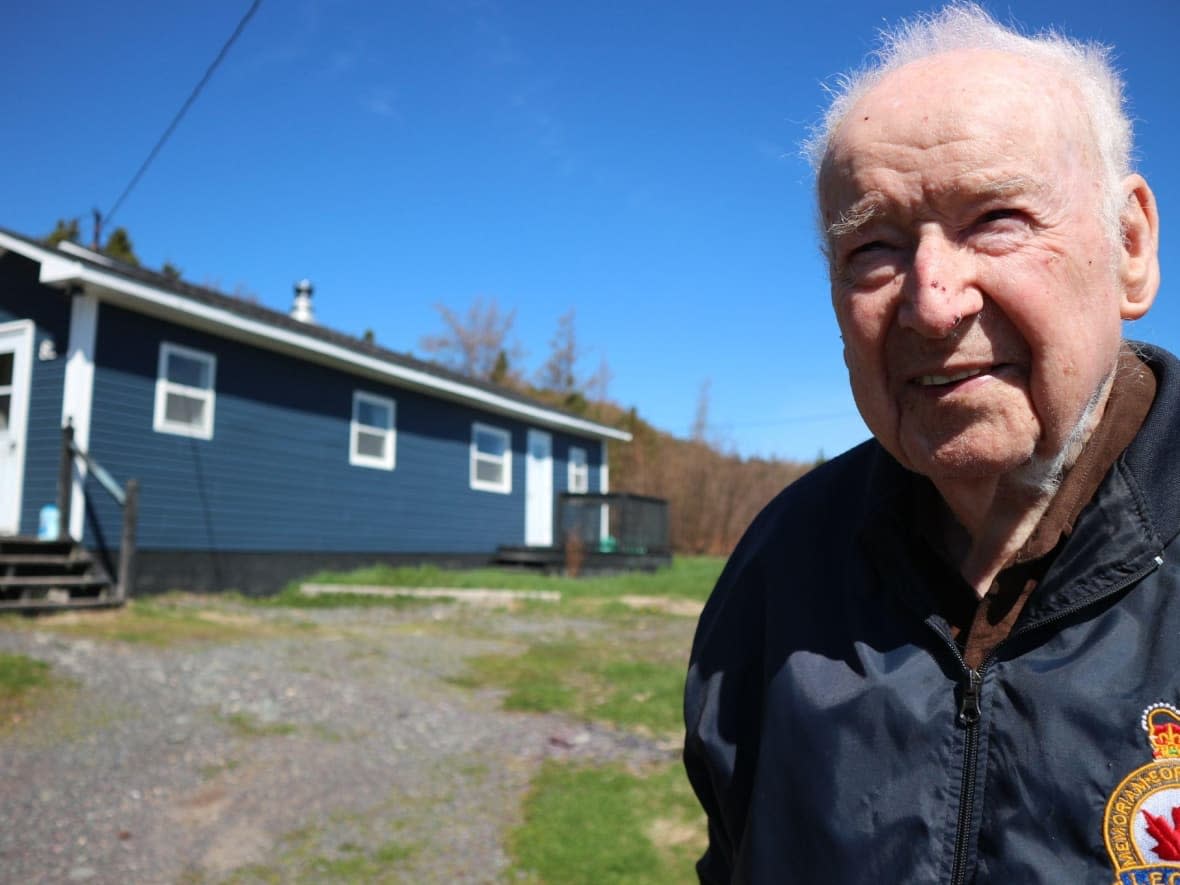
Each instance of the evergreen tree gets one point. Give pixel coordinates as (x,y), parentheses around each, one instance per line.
(65,230)
(118,246)
(501,372)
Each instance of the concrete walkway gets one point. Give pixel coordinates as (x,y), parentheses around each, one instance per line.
(478,595)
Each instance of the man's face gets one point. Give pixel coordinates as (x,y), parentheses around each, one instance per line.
(972,275)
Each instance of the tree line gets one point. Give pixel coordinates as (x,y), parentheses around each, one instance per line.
(712,493)
(117,244)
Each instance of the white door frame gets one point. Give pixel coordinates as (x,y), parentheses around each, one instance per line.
(78,396)
(538,489)
(16,338)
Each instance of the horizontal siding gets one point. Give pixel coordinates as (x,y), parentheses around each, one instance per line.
(561,450)
(23,298)
(276,475)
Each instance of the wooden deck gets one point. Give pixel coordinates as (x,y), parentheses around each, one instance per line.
(552,560)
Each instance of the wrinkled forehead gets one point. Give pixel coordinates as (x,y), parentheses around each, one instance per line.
(962,110)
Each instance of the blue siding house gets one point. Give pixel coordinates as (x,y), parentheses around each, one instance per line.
(265,446)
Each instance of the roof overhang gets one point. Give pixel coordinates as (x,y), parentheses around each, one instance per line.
(65,273)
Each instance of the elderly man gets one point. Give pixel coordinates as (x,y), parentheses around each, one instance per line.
(950,655)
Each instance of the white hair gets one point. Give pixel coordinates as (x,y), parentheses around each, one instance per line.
(965,25)
(1042,474)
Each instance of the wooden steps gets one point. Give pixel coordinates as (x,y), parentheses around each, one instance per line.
(52,576)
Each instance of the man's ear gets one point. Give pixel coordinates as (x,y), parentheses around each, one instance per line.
(1139,265)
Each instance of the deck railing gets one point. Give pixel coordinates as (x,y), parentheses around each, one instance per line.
(615,522)
(126,497)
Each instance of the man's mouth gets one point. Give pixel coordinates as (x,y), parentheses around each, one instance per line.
(940,380)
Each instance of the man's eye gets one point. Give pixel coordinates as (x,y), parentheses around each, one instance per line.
(870,264)
(999,230)
(869,248)
(996,216)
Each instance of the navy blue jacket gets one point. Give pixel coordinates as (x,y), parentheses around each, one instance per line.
(835,734)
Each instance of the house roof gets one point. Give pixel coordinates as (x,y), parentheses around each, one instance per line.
(70,267)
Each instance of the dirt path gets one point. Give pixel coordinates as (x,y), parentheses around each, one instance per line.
(319,746)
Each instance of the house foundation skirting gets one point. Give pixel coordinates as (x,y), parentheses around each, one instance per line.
(258,573)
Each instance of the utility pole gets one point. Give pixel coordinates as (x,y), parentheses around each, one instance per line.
(96,245)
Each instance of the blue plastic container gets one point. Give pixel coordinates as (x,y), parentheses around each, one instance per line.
(49,526)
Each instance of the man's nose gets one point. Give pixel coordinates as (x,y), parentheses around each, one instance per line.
(940,289)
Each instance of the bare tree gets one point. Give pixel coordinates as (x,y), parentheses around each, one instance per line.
(700,421)
(598,387)
(712,494)
(476,344)
(560,371)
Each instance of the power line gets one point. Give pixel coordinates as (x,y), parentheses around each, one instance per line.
(179,115)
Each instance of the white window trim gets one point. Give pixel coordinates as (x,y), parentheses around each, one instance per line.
(578,475)
(356,458)
(504,487)
(160,423)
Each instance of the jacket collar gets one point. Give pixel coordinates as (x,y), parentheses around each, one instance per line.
(1132,516)
(1151,460)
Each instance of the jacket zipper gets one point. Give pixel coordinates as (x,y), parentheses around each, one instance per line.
(969,715)
(971,711)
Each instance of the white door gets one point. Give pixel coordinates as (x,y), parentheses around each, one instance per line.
(538,490)
(16,366)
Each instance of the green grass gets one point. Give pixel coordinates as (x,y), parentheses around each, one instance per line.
(248,725)
(161,621)
(290,597)
(20,675)
(627,677)
(689,577)
(24,683)
(305,858)
(354,864)
(208,772)
(597,826)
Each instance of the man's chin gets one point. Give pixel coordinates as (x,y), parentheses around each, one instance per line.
(960,460)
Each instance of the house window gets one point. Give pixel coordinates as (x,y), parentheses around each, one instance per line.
(491,458)
(578,472)
(185,395)
(373,433)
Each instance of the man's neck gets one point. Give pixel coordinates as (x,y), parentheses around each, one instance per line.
(987,525)
(993,517)
(986,528)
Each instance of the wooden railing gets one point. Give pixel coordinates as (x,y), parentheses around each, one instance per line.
(127,498)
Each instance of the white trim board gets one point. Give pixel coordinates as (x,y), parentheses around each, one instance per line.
(22,332)
(142,298)
(78,396)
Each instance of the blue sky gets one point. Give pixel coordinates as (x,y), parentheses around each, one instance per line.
(634,161)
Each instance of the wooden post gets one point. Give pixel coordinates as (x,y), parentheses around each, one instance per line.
(65,482)
(127,543)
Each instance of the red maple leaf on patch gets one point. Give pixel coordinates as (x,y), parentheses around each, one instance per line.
(1167,836)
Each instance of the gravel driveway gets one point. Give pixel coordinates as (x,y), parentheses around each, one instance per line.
(312,745)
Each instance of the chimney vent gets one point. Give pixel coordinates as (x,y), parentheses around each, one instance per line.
(301,308)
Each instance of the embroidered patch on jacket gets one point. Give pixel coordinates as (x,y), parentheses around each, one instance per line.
(1142,823)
